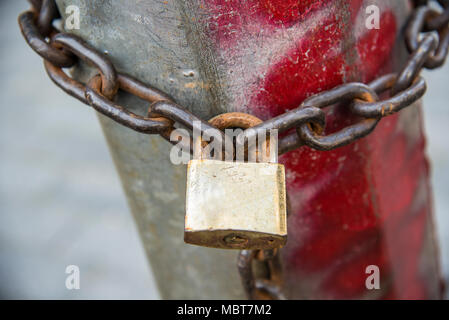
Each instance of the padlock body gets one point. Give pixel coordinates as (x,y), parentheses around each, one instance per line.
(235,205)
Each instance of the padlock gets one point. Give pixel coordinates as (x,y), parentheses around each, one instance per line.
(235,205)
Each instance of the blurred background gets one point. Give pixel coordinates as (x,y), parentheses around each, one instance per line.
(61,202)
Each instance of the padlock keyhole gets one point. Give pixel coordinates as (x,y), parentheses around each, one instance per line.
(235,240)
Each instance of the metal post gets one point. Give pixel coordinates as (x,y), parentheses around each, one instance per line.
(217,56)
(148,40)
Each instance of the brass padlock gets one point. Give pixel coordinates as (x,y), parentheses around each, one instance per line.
(235,205)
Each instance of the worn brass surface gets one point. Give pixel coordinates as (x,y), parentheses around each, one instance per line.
(235,205)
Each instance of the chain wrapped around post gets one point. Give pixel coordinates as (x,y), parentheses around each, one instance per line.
(427,39)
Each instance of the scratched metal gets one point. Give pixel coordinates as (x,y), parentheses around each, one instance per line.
(148,40)
(236,205)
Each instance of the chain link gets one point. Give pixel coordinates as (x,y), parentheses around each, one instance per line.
(427,39)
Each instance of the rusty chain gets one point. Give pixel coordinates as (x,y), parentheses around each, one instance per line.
(427,40)
(62,50)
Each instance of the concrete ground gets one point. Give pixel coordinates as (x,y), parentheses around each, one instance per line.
(61,202)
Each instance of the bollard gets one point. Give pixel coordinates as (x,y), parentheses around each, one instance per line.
(353,209)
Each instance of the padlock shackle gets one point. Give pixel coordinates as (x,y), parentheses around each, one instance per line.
(237,120)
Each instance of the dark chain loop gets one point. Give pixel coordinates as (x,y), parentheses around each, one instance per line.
(47,14)
(417,28)
(415,63)
(292,119)
(88,54)
(345,93)
(394,103)
(427,39)
(129,119)
(38,43)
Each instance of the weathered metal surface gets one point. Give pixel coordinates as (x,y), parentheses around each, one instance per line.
(366,203)
(148,40)
(235,199)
